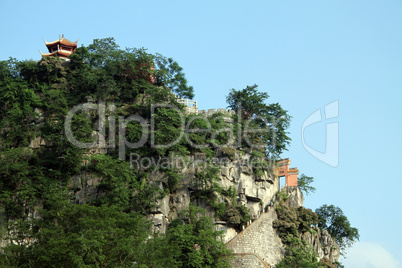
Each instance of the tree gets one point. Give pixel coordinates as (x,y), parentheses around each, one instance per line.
(198,243)
(304,182)
(302,255)
(169,73)
(264,126)
(338,226)
(102,51)
(249,101)
(106,70)
(17,104)
(79,236)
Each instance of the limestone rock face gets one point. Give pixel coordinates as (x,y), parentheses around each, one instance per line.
(255,192)
(296,198)
(84,187)
(323,244)
(37,143)
(258,245)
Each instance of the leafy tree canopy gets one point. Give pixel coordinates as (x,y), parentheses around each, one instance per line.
(338,226)
(304,182)
(300,256)
(78,236)
(264,125)
(113,64)
(199,244)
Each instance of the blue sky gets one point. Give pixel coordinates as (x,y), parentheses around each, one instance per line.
(305,54)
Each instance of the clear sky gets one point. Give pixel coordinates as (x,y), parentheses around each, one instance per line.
(305,54)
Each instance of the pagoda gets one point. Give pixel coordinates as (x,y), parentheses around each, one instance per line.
(61,48)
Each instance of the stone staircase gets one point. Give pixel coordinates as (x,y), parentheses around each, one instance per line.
(257,245)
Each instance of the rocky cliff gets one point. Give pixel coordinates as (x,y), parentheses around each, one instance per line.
(258,244)
(255,243)
(323,244)
(254,192)
(321,241)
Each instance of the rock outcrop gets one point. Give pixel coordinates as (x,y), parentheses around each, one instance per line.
(258,245)
(296,198)
(254,192)
(323,244)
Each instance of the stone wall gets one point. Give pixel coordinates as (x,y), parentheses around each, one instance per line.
(258,244)
(248,260)
(260,239)
(192,108)
(210,112)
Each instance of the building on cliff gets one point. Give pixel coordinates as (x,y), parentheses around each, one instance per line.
(289,173)
(61,48)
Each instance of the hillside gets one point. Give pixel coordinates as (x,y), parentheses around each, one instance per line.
(102,164)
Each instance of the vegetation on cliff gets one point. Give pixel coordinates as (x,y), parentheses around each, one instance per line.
(43,224)
(293,223)
(338,226)
(124,108)
(305,184)
(271,120)
(290,224)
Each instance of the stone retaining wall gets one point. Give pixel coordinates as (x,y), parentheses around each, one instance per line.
(248,260)
(259,238)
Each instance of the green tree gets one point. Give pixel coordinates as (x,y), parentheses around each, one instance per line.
(249,101)
(198,243)
(106,71)
(302,255)
(291,224)
(338,226)
(170,74)
(79,236)
(264,125)
(17,106)
(304,182)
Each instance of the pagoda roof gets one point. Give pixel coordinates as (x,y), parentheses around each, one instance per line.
(58,53)
(62,41)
